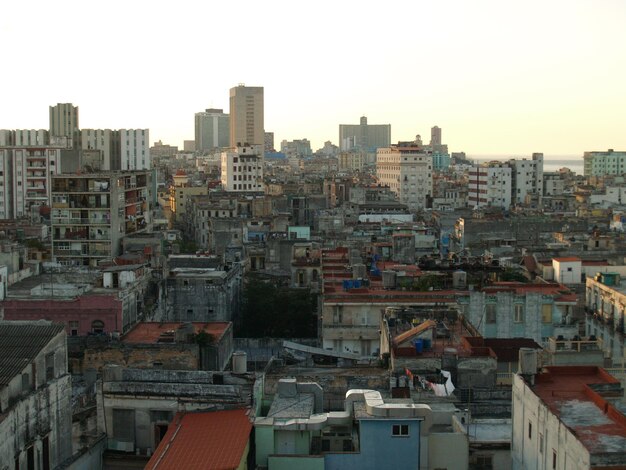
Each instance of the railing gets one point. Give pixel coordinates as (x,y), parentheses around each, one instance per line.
(575,345)
(81,221)
(504,378)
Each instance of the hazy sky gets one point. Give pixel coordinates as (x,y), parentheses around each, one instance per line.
(500,77)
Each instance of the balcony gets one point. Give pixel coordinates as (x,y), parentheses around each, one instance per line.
(79,221)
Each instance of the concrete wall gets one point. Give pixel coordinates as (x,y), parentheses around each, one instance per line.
(440,454)
(378,448)
(300,462)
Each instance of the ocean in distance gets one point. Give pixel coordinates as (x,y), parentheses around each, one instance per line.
(576,164)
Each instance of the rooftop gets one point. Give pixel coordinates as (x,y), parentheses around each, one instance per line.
(153,332)
(209,440)
(573,394)
(20,342)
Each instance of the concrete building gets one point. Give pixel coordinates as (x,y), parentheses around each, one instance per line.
(35,396)
(605,319)
(64,123)
(364,136)
(353,161)
(369,433)
(567,270)
(161,150)
(212,129)
(269,142)
(526,178)
(123,149)
(606,163)
(25,178)
(567,418)
(247,125)
(296,148)
(242,169)
(518,310)
(92,212)
(490,185)
(407,171)
(201,289)
(24,138)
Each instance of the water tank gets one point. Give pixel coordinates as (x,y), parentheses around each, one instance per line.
(527,361)
(389,279)
(240,362)
(359,271)
(459,279)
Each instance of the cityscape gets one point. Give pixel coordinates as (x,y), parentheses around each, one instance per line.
(330,236)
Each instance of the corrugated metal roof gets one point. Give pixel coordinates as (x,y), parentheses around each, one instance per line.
(20,342)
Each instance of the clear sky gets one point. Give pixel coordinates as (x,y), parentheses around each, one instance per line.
(499,77)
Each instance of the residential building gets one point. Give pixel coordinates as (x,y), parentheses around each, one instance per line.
(269,142)
(296,148)
(606,163)
(605,319)
(212,128)
(123,149)
(353,161)
(159,149)
(64,123)
(435,136)
(205,441)
(25,178)
(242,169)
(567,418)
(247,125)
(369,433)
(364,136)
(553,184)
(24,138)
(35,396)
(92,212)
(519,310)
(180,193)
(567,270)
(526,178)
(408,172)
(490,185)
(189,145)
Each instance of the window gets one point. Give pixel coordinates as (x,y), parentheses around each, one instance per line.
(50,366)
(519,313)
(74,328)
(484,462)
(553,459)
(490,312)
(97,326)
(540,443)
(400,430)
(546,313)
(530,430)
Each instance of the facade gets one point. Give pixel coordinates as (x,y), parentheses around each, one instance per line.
(353,161)
(159,149)
(364,136)
(212,129)
(64,122)
(123,149)
(269,142)
(246,116)
(518,310)
(24,138)
(296,148)
(25,177)
(91,213)
(526,178)
(35,396)
(242,169)
(605,318)
(490,185)
(565,418)
(407,171)
(604,163)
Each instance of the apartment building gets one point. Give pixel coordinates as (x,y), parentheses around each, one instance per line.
(606,163)
(490,185)
(212,129)
(526,177)
(92,212)
(246,116)
(242,169)
(123,149)
(364,136)
(407,171)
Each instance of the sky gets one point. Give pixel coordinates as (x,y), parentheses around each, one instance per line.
(499,77)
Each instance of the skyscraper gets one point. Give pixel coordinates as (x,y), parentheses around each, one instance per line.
(64,122)
(212,129)
(246,116)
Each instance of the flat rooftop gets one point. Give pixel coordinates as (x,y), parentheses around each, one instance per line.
(570,392)
(151,332)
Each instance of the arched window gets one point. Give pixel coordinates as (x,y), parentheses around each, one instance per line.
(97,326)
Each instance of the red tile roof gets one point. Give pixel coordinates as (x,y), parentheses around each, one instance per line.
(150,332)
(214,440)
(567,259)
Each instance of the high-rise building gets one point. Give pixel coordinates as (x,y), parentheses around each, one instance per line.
(212,129)
(92,212)
(269,142)
(246,116)
(242,169)
(526,177)
(123,149)
(64,122)
(435,136)
(407,171)
(364,136)
(604,163)
(296,148)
